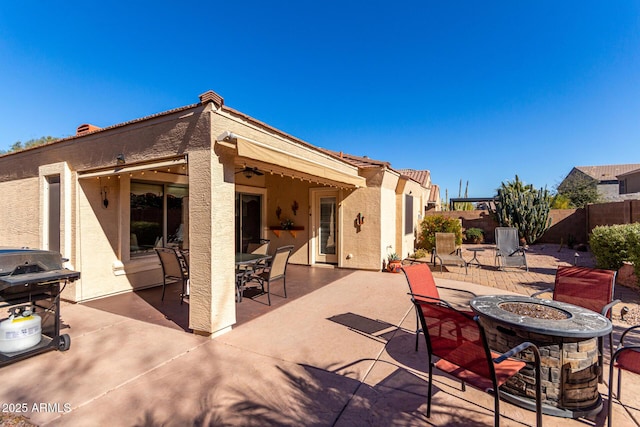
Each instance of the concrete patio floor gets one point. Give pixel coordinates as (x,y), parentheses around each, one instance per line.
(340,354)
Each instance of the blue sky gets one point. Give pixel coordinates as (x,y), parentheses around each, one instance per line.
(472,91)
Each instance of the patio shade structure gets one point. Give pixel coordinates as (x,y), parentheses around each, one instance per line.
(313,166)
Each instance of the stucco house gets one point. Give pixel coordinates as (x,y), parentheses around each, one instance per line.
(629,183)
(208,178)
(606,178)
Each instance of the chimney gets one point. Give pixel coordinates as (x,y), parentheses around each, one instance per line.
(211,96)
(86,128)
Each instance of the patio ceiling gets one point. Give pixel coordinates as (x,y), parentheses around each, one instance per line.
(315,168)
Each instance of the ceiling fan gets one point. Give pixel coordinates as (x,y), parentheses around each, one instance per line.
(249,172)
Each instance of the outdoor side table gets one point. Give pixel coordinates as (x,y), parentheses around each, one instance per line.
(475,255)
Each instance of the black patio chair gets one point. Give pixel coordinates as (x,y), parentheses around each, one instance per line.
(172,268)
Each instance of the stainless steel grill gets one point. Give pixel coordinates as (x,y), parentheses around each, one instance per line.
(31,281)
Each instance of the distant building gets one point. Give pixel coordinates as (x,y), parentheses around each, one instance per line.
(607,178)
(629,183)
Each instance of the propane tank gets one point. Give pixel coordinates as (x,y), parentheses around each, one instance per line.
(22,330)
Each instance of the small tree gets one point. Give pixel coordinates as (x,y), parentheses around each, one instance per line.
(523,207)
(580,189)
(431,225)
(18,145)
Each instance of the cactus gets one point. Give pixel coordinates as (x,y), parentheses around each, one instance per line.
(523,207)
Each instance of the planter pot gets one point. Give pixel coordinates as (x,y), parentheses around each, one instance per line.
(394,266)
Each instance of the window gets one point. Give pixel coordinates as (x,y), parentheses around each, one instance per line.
(622,189)
(408,216)
(156,216)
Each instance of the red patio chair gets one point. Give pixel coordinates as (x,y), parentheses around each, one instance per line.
(460,343)
(590,288)
(626,357)
(421,282)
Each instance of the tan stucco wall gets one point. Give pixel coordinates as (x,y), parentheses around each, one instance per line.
(282,192)
(388,214)
(19,215)
(632,183)
(405,242)
(361,245)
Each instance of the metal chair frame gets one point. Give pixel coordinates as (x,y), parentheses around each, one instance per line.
(625,358)
(461,345)
(173,268)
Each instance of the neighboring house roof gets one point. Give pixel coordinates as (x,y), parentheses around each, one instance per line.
(421,176)
(607,172)
(632,172)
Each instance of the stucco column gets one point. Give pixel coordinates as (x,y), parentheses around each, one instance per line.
(211,242)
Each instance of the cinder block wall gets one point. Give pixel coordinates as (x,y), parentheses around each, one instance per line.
(625,212)
(564,223)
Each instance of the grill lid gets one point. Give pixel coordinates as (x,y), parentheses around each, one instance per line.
(22,266)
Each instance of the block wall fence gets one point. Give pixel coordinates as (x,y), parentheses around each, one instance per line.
(566,224)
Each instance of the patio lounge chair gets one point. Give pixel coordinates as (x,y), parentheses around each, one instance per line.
(172,268)
(460,343)
(509,253)
(276,270)
(447,252)
(421,282)
(590,288)
(626,357)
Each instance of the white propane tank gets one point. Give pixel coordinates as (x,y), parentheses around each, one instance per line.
(22,330)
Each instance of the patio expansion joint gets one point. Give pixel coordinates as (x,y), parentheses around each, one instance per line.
(398,327)
(129,381)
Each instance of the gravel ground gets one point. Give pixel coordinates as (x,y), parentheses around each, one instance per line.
(12,420)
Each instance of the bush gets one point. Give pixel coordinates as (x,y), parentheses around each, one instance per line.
(431,225)
(614,244)
(474,235)
(420,253)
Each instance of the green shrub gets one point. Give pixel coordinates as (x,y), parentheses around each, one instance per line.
(431,225)
(474,235)
(420,253)
(614,244)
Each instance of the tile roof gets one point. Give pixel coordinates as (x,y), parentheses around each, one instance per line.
(434,194)
(359,161)
(607,172)
(421,176)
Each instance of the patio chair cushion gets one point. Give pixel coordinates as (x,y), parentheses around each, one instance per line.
(504,370)
(629,360)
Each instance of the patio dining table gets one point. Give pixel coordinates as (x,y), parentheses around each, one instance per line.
(245,266)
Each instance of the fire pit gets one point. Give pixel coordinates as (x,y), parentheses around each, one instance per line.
(567,336)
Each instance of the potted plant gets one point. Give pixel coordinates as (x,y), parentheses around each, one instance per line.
(394,263)
(474,235)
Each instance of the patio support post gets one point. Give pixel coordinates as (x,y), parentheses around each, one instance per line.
(211,222)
